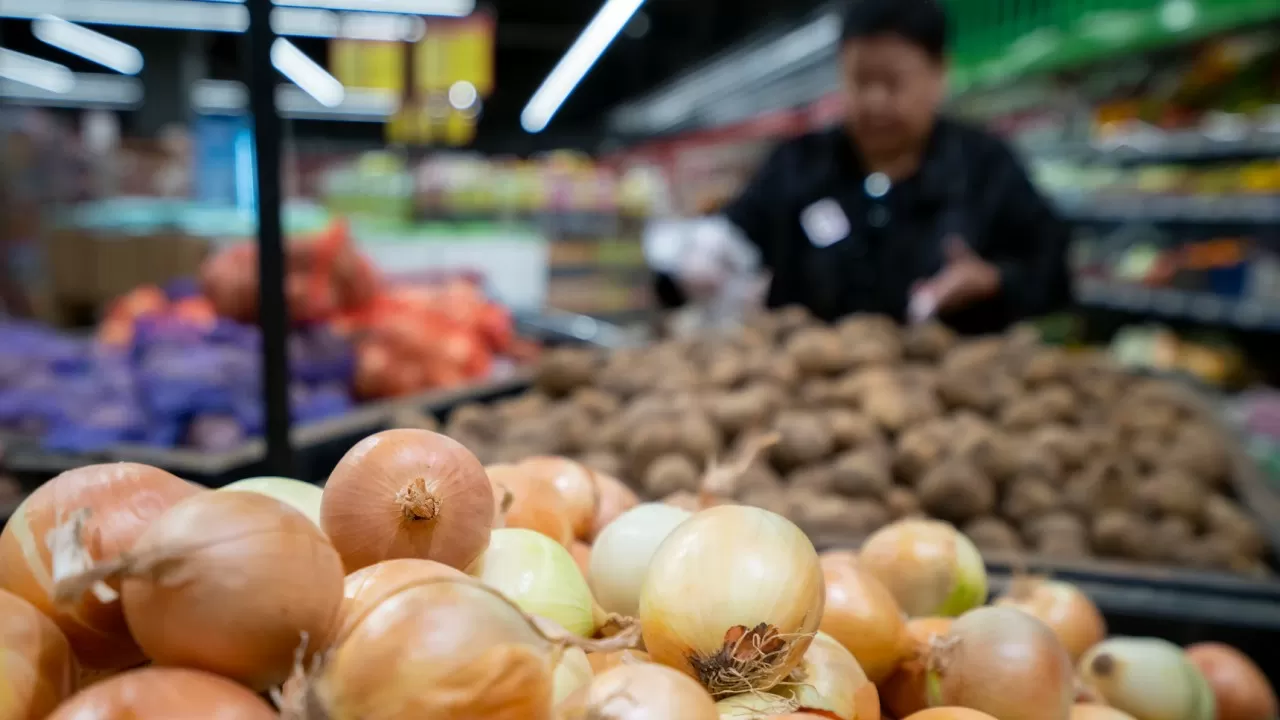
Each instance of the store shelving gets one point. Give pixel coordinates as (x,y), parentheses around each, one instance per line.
(1119,207)
(1202,307)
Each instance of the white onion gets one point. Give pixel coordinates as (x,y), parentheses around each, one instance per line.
(1148,678)
(301,496)
(573,673)
(540,576)
(621,554)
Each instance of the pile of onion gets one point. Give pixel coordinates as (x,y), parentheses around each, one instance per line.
(622,552)
(301,496)
(1002,662)
(1148,678)
(535,504)
(732,598)
(576,486)
(408,494)
(540,576)
(231,583)
(165,694)
(37,669)
(829,682)
(92,515)
(1068,612)
(928,565)
(641,691)
(863,617)
(905,692)
(1239,687)
(367,588)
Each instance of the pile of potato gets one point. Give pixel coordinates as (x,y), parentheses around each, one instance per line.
(1025,447)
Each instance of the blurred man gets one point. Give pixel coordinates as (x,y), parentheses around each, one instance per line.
(899,210)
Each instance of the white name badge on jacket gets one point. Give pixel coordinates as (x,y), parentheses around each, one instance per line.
(825,223)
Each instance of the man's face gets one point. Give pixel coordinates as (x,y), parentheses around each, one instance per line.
(893,89)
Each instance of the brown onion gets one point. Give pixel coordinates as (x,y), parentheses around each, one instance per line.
(98,512)
(1068,612)
(576,485)
(950,713)
(905,692)
(642,691)
(37,669)
(1239,687)
(366,588)
(581,553)
(928,566)
(602,661)
(615,499)
(408,494)
(1005,663)
(231,583)
(165,694)
(831,680)
(1092,711)
(535,503)
(861,614)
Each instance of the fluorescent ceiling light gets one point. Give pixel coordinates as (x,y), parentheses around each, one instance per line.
(307,22)
(447,8)
(306,73)
(300,18)
(216,97)
(100,90)
(574,66)
(34,72)
(165,14)
(94,46)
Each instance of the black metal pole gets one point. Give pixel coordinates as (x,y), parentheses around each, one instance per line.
(273,314)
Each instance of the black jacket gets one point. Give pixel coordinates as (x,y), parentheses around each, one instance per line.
(836,250)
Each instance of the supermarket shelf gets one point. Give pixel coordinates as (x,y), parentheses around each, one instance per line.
(1208,308)
(1172,147)
(1119,207)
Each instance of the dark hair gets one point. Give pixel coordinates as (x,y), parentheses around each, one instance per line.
(921,22)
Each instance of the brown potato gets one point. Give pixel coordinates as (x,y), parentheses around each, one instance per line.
(991,534)
(1172,493)
(1029,499)
(804,439)
(1121,533)
(862,473)
(670,474)
(901,503)
(563,370)
(956,491)
(851,429)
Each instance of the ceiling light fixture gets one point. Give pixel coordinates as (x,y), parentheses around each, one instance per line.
(219,15)
(88,44)
(48,76)
(306,73)
(574,66)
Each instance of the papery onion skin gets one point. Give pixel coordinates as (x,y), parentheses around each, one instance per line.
(1149,678)
(165,694)
(408,494)
(581,553)
(540,576)
(535,503)
(1068,612)
(301,496)
(1005,663)
(950,713)
(833,681)
(121,499)
(928,566)
(904,692)
(621,555)
(615,499)
(576,485)
(229,583)
(732,577)
(1091,711)
(864,617)
(37,669)
(755,706)
(446,650)
(366,588)
(643,691)
(602,661)
(572,673)
(1240,689)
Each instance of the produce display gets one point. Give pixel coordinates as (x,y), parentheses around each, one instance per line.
(1028,448)
(423,593)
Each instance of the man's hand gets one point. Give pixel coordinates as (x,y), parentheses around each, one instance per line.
(964,280)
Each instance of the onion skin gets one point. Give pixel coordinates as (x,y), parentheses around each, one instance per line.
(905,693)
(1068,612)
(602,661)
(732,577)
(1092,711)
(622,553)
(834,683)
(480,657)
(615,499)
(1148,678)
(535,503)
(928,566)
(576,485)
(165,694)
(368,587)
(538,575)
(408,494)
(301,496)
(573,673)
(1005,663)
(949,713)
(1239,687)
(229,583)
(37,669)
(863,616)
(122,499)
(643,691)
(581,553)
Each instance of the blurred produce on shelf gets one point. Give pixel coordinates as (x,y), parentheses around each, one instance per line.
(1214,362)
(1255,415)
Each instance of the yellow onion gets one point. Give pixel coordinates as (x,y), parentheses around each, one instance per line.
(573,673)
(829,679)
(1068,612)
(904,693)
(164,694)
(1002,662)
(1148,678)
(447,648)
(576,485)
(615,499)
(601,661)
(1240,689)
(37,669)
(301,496)
(929,566)
(950,713)
(641,691)
(863,616)
(756,706)
(532,502)
(540,576)
(366,588)
(1091,711)
(621,554)
(733,597)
